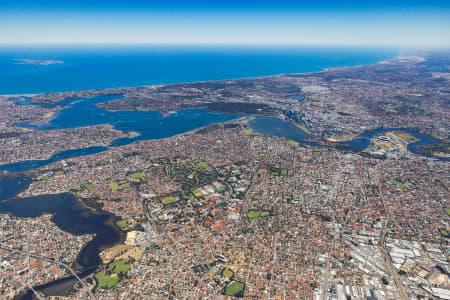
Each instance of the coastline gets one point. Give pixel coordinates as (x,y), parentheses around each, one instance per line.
(94,90)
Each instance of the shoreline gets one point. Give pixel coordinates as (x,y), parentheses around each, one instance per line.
(89,90)
(79,203)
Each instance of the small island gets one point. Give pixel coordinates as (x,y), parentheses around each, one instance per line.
(37,62)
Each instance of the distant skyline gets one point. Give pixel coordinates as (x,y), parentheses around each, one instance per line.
(414,23)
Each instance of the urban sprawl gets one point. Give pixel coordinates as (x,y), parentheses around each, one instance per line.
(223,211)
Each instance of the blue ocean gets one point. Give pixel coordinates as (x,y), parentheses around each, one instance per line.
(108,66)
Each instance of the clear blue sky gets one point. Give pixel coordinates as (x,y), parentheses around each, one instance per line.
(315,22)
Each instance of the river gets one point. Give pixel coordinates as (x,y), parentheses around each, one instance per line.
(154,125)
(278,127)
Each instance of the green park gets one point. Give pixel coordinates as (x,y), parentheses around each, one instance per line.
(235,289)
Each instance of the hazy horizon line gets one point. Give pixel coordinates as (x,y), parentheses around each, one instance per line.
(405,46)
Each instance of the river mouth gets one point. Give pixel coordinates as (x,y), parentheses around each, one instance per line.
(68,214)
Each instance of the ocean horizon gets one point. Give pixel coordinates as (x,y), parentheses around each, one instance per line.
(34,69)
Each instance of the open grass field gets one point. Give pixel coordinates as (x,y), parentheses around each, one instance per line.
(117,186)
(399,184)
(278,172)
(227,273)
(197,193)
(121,266)
(447,210)
(122,224)
(105,281)
(168,200)
(407,136)
(294,143)
(235,289)
(139,176)
(83,187)
(304,129)
(253,214)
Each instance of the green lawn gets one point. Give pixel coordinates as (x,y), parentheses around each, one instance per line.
(168,200)
(447,210)
(407,136)
(304,129)
(123,224)
(253,214)
(399,184)
(121,266)
(227,273)
(105,281)
(203,165)
(139,176)
(197,193)
(235,289)
(83,187)
(294,143)
(115,186)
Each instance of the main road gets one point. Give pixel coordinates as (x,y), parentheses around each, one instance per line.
(383,241)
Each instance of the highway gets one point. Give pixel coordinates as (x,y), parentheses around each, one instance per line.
(383,244)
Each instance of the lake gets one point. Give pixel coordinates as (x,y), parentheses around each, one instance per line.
(69,214)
